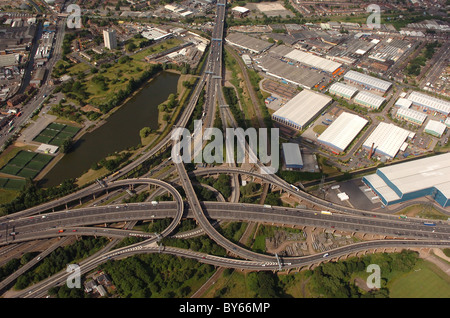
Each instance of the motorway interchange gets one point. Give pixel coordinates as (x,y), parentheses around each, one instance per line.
(55,219)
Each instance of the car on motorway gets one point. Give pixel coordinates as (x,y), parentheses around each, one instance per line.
(326,255)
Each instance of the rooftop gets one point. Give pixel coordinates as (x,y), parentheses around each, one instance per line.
(387,139)
(368,80)
(420,174)
(343,130)
(303,107)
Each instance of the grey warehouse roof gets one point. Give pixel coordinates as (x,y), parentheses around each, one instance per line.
(367,80)
(247,42)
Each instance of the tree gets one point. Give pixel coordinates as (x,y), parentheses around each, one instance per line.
(144,132)
(67,145)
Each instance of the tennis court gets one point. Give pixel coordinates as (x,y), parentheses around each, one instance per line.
(55,134)
(26,164)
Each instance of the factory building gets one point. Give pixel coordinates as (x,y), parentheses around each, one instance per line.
(343,90)
(342,131)
(414,179)
(292,156)
(369,100)
(435,128)
(430,103)
(386,140)
(302,109)
(248,43)
(367,81)
(411,115)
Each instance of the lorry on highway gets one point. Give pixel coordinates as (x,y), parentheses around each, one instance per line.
(154,203)
(326,212)
(429,223)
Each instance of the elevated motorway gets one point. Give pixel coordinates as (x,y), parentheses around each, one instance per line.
(74,222)
(40,289)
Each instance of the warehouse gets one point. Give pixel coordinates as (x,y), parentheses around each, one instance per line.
(289,73)
(412,180)
(367,81)
(447,122)
(428,102)
(435,128)
(292,156)
(403,102)
(411,115)
(369,100)
(302,109)
(313,61)
(249,43)
(343,90)
(342,131)
(386,139)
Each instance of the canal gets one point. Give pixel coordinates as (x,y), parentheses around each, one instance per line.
(120,131)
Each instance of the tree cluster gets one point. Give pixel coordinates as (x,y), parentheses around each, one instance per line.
(333,279)
(155,275)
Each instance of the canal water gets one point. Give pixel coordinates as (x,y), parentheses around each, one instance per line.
(120,131)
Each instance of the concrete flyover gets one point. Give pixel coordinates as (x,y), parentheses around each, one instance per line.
(7,223)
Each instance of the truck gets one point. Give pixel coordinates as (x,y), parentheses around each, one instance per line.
(429,223)
(154,203)
(326,212)
(267,206)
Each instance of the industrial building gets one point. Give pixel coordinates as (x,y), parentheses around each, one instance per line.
(431,103)
(343,90)
(342,131)
(249,43)
(412,180)
(411,115)
(435,128)
(403,102)
(155,34)
(313,60)
(289,73)
(292,156)
(302,109)
(240,11)
(386,140)
(367,81)
(369,100)
(305,58)
(447,122)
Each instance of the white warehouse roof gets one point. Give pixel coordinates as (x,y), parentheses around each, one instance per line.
(343,89)
(436,127)
(370,99)
(387,139)
(301,109)
(342,131)
(421,174)
(367,80)
(434,103)
(313,60)
(240,9)
(403,102)
(412,114)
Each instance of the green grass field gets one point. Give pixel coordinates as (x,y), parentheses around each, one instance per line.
(26,165)
(55,134)
(425,281)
